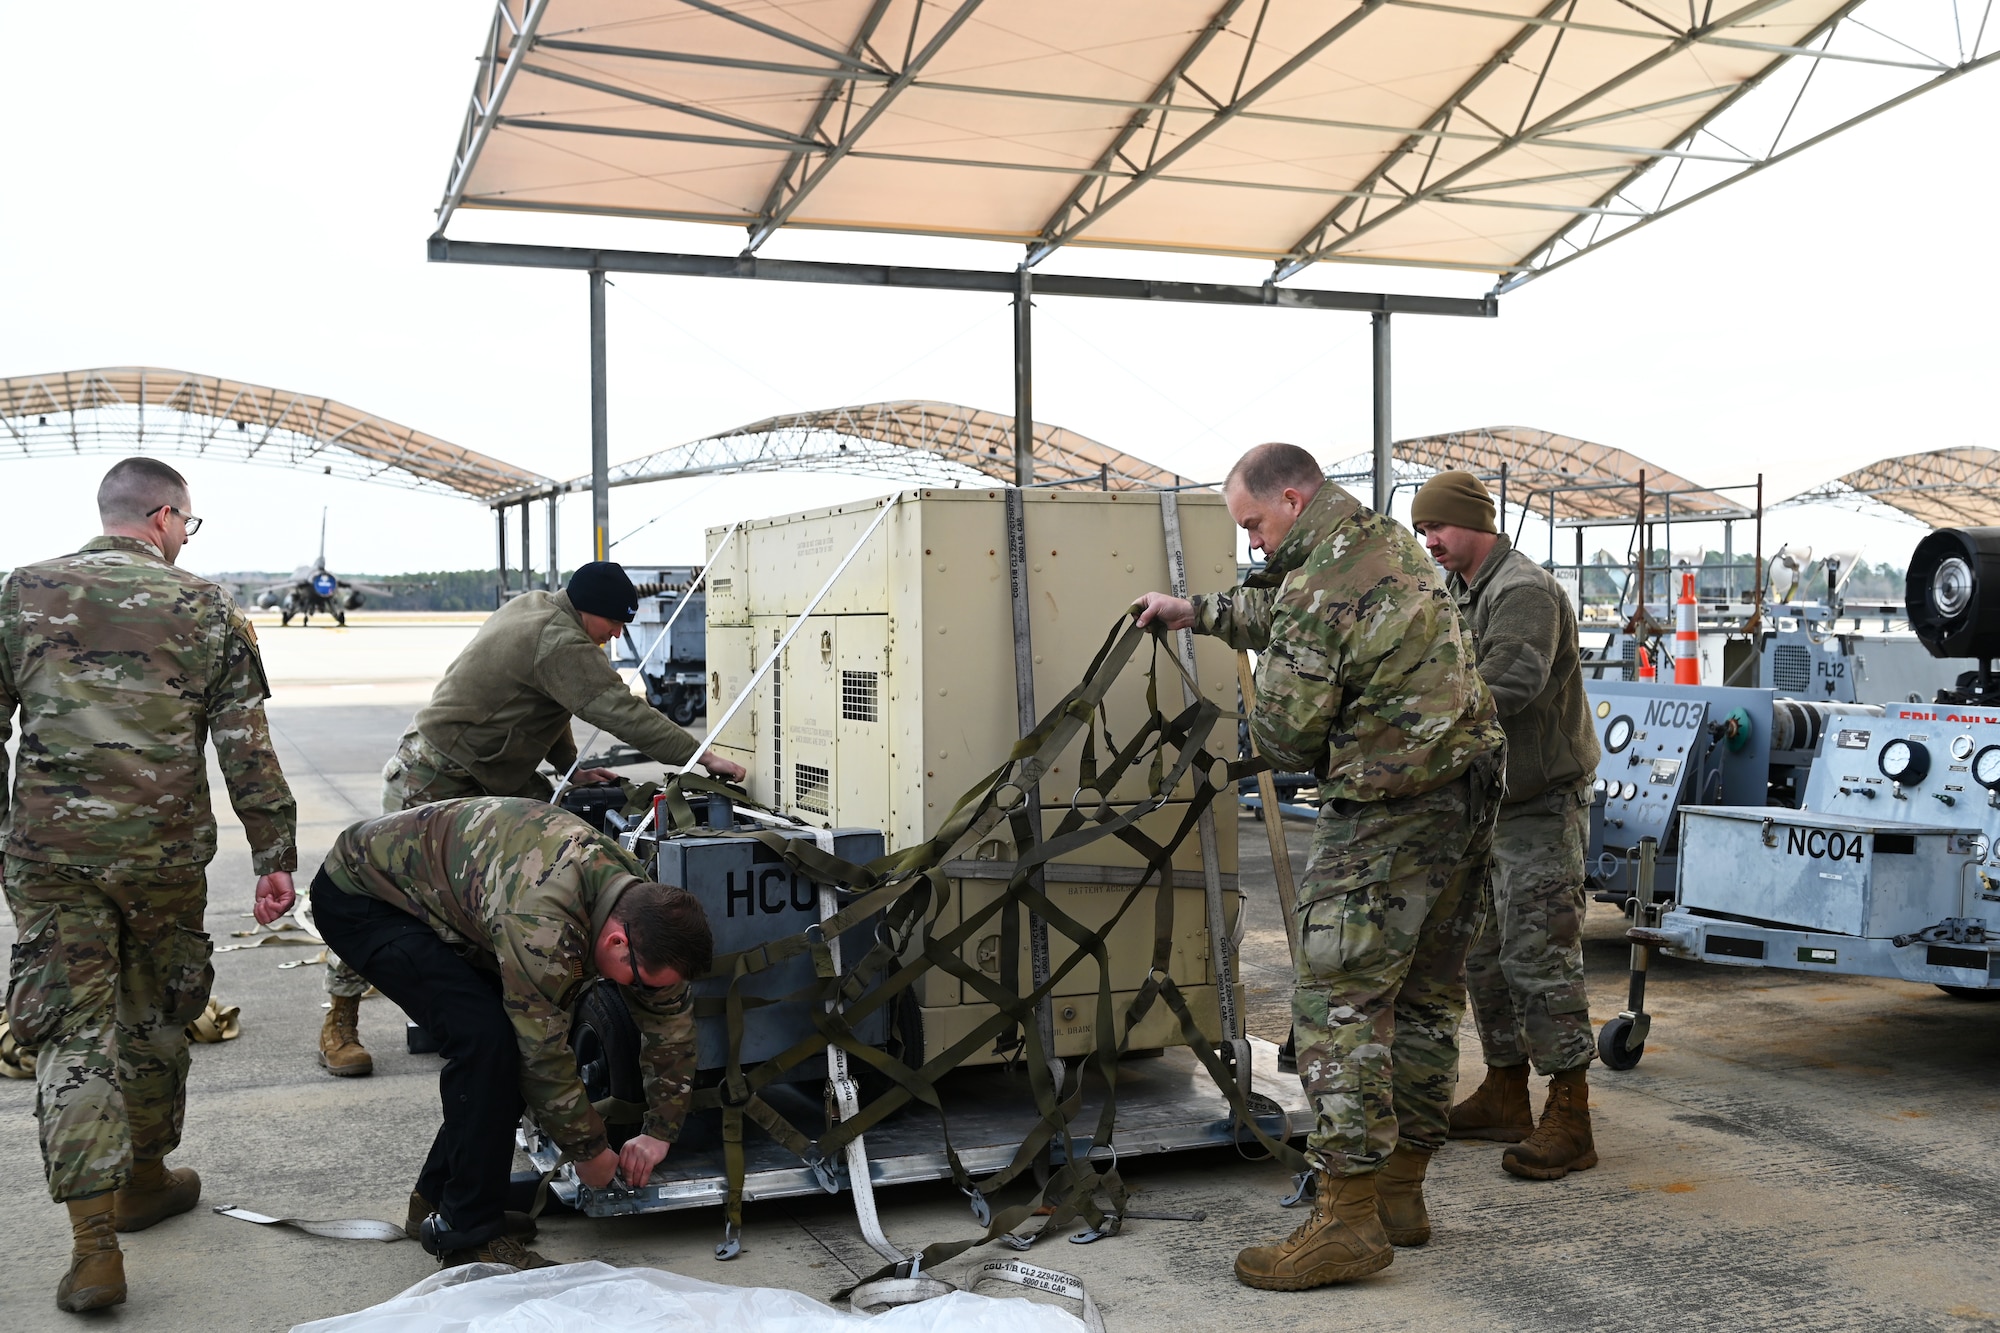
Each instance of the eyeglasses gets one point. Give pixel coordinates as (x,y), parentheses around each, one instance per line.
(192,523)
(638,982)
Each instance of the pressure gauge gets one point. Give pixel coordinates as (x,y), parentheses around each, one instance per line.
(1618,735)
(1904,761)
(1631,791)
(1986,768)
(1601,787)
(1961,748)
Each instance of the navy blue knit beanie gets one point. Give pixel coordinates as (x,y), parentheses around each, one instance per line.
(603,588)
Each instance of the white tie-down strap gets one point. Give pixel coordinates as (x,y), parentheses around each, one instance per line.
(892,1291)
(345,1228)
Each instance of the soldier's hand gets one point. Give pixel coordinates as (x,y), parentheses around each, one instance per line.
(1172,612)
(726,769)
(639,1156)
(599,1170)
(589,776)
(274,896)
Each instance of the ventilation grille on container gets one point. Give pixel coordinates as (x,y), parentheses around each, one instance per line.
(1791,669)
(809,787)
(857,695)
(777,727)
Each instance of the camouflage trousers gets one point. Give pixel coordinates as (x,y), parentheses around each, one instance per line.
(1525,972)
(417,774)
(1388,906)
(109,969)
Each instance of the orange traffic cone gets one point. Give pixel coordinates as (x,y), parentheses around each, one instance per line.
(1687,648)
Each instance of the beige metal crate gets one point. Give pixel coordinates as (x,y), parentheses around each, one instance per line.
(897,695)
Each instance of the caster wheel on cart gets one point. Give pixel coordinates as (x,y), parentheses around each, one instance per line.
(1611,1047)
(1970,992)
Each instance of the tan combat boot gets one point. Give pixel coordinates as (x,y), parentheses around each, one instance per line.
(340,1048)
(502,1249)
(1499,1110)
(1399,1195)
(96,1276)
(154,1194)
(1341,1241)
(1561,1143)
(518,1225)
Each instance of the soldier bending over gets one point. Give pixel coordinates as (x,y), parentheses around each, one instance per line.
(485,919)
(1525,972)
(1367,680)
(503,707)
(123,667)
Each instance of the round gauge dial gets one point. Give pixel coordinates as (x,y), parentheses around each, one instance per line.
(1600,787)
(1986,768)
(1961,748)
(1618,735)
(1631,791)
(1604,708)
(1904,761)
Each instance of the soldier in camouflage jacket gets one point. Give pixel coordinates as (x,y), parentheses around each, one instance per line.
(485,919)
(1367,680)
(123,668)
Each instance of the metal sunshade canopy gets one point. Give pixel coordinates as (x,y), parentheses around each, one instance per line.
(126,408)
(913,441)
(1573,482)
(1497,136)
(1493,136)
(1944,488)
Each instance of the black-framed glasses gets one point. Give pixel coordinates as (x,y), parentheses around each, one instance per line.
(639,982)
(192,523)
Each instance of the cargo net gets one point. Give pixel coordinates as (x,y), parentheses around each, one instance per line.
(907,890)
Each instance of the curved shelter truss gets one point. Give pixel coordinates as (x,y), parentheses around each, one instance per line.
(918,442)
(1493,136)
(1944,488)
(1575,482)
(132,409)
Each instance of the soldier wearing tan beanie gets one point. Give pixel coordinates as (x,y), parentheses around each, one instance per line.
(1525,971)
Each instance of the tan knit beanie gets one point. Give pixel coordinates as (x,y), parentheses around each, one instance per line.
(1457,498)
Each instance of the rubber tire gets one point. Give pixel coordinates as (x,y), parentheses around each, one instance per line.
(684,707)
(1976,994)
(1611,1048)
(605,1041)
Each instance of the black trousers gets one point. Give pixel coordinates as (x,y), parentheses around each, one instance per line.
(465,1177)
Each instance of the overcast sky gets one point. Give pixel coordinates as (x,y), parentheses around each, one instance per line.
(244,190)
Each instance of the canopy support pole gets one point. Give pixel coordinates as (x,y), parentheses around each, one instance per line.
(500,547)
(600,427)
(555,568)
(527,550)
(1385,480)
(1024,381)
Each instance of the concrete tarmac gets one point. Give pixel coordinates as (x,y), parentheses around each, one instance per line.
(1794,1151)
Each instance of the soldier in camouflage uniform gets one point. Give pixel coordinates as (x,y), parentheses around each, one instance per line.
(1525,972)
(485,919)
(1367,680)
(502,709)
(123,668)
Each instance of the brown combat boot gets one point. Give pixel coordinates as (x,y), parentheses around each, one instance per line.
(1341,1241)
(340,1048)
(154,1194)
(1499,1110)
(1561,1143)
(518,1225)
(96,1276)
(1399,1195)
(502,1249)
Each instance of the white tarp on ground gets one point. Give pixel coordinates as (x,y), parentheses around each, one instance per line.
(597,1298)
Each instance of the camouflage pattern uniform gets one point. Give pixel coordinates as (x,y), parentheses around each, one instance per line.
(1525,972)
(123,668)
(503,708)
(525,888)
(1366,679)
